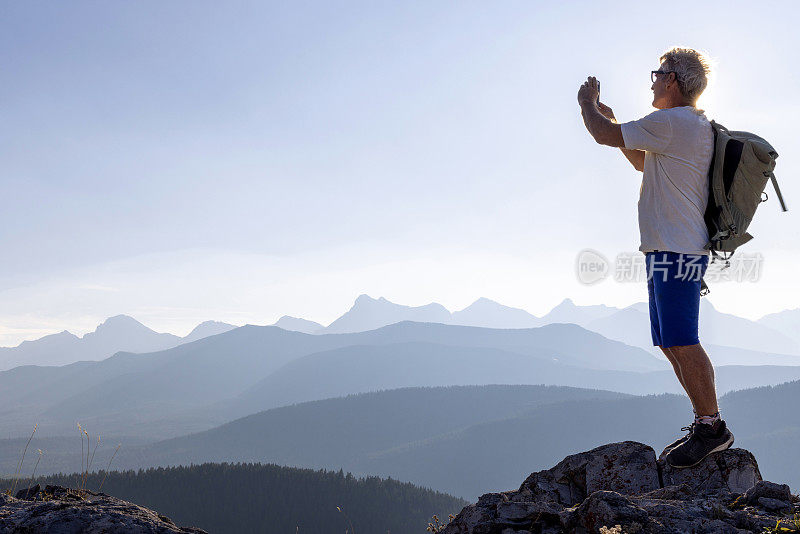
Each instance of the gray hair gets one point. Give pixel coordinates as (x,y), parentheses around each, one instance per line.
(691,68)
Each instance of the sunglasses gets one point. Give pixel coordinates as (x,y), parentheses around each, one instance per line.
(654,72)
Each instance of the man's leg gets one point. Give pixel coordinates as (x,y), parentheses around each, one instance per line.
(675,367)
(674,294)
(677,306)
(709,434)
(697,377)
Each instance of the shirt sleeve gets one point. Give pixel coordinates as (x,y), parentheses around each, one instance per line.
(652,132)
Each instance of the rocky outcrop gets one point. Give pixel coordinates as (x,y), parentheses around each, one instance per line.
(58,510)
(622,487)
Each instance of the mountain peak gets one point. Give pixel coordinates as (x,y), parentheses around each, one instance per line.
(126,332)
(483,301)
(368,313)
(567,302)
(65,336)
(208,328)
(120,322)
(489,313)
(121,318)
(298,324)
(485,304)
(365,300)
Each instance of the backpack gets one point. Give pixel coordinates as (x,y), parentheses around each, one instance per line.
(741,165)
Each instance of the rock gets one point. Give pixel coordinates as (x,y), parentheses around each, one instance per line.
(621,486)
(734,470)
(626,467)
(59,510)
(609,508)
(770,490)
(28,492)
(773,505)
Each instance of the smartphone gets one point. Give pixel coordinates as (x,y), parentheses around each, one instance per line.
(598,91)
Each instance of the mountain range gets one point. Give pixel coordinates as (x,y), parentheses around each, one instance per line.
(730,340)
(540,392)
(773,339)
(196,385)
(115,334)
(464,440)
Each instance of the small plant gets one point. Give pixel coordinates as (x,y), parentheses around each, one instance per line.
(80,432)
(18,471)
(33,475)
(437,526)
(88,461)
(785,525)
(736,504)
(108,467)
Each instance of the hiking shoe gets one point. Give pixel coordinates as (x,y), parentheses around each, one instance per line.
(704,440)
(678,441)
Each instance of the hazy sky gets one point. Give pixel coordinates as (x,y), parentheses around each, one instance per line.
(187,160)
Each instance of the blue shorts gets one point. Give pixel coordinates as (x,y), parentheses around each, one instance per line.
(673,285)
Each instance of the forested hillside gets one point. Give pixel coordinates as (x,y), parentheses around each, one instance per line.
(237,498)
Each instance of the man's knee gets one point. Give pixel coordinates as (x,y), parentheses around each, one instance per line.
(684,352)
(667,353)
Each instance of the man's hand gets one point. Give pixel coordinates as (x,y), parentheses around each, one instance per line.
(598,120)
(589,92)
(601,122)
(606,112)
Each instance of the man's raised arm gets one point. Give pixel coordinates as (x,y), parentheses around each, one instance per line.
(599,120)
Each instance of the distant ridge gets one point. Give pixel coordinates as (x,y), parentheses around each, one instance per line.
(568,312)
(786,322)
(208,328)
(773,339)
(368,313)
(120,333)
(296,324)
(490,314)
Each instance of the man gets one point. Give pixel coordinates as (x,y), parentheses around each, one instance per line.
(673,147)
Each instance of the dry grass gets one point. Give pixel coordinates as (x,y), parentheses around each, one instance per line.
(786,525)
(87,460)
(12,490)
(437,526)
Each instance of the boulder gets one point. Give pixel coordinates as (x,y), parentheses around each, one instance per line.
(57,510)
(622,486)
(626,467)
(734,470)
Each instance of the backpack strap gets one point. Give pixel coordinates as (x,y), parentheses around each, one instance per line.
(704,287)
(704,290)
(777,190)
(727,259)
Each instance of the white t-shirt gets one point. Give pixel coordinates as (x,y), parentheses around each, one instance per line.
(678,144)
